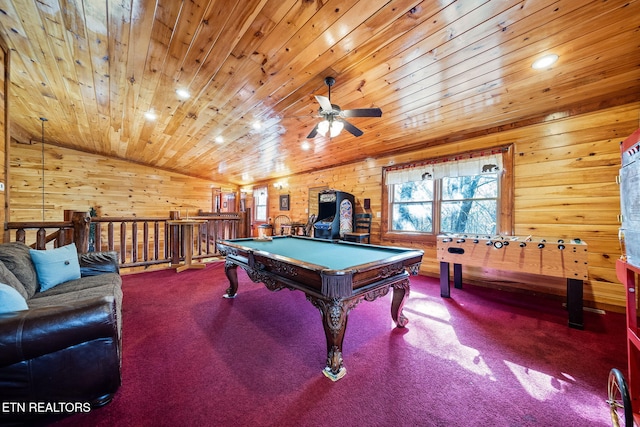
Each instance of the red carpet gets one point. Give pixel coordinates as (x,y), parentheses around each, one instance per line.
(482,358)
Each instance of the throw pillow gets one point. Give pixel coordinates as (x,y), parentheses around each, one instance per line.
(8,278)
(56,266)
(11,300)
(16,257)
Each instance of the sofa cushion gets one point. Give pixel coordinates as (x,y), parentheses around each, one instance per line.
(112,279)
(8,278)
(11,300)
(56,266)
(16,257)
(72,296)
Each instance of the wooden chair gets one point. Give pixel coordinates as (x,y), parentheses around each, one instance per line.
(361,230)
(308,228)
(282,224)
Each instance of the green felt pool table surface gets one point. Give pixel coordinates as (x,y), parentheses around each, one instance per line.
(325,253)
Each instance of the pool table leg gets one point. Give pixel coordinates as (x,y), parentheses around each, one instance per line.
(231,271)
(334,320)
(400,295)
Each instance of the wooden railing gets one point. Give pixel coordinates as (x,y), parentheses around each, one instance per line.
(139,241)
(74,229)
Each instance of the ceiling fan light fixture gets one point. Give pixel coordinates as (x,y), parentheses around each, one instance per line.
(323,127)
(335,129)
(334,117)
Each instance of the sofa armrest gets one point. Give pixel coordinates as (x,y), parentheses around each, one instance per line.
(32,333)
(94,263)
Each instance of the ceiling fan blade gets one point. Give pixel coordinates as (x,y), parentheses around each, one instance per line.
(351,128)
(325,103)
(313,132)
(362,112)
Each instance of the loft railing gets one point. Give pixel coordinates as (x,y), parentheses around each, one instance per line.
(74,229)
(139,241)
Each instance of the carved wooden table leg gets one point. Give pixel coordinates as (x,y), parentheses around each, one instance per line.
(231,271)
(334,320)
(400,296)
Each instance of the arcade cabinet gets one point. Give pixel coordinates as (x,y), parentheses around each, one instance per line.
(335,214)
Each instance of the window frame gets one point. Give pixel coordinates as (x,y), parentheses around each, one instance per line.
(390,203)
(505,223)
(266,205)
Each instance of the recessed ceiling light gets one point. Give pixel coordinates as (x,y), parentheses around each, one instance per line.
(544,62)
(150,115)
(219,139)
(183,93)
(305,146)
(257,125)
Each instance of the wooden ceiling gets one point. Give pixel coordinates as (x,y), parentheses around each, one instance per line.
(439,70)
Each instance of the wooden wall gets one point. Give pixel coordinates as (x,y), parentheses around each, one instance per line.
(80,181)
(565,186)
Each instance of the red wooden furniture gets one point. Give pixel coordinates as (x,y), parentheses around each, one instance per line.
(623,397)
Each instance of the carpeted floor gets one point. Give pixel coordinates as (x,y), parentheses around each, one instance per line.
(481,358)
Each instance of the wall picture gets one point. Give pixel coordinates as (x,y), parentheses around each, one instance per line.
(284,202)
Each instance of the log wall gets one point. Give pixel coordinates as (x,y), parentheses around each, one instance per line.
(565,172)
(79,181)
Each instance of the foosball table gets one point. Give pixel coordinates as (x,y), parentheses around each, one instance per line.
(565,258)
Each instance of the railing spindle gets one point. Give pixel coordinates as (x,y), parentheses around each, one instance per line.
(41,238)
(97,236)
(110,237)
(145,240)
(134,241)
(123,241)
(156,237)
(175,244)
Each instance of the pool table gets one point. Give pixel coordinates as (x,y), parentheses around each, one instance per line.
(334,275)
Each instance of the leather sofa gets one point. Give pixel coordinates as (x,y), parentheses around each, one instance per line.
(63,354)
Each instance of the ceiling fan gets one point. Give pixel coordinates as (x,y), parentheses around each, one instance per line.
(334,118)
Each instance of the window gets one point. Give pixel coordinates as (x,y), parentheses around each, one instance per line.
(260,204)
(469,204)
(466,194)
(412,206)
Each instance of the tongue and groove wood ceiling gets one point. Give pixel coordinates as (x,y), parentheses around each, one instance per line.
(441,71)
